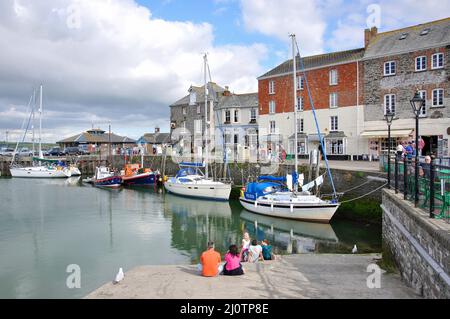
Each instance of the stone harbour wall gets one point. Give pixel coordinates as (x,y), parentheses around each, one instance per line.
(419,245)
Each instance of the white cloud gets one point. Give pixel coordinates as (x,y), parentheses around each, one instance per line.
(120,62)
(280,18)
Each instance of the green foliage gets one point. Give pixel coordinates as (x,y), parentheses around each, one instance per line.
(361,210)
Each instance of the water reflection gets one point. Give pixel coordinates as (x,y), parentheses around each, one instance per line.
(288,236)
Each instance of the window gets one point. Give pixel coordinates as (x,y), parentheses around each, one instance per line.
(389,103)
(272,107)
(192,98)
(272,127)
(437,61)
(421,63)
(334,123)
(333,77)
(227,116)
(198,126)
(438,97)
(300,83)
(403,36)
(423,110)
(389,68)
(300,125)
(301,147)
(184,110)
(333,100)
(299,103)
(272,87)
(335,146)
(236,139)
(198,109)
(236,116)
(253,115)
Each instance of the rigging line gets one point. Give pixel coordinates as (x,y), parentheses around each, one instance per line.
(21,128)
(315,119)
(366,182)
(362,196)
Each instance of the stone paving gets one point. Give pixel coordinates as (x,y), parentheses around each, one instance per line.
(295,276)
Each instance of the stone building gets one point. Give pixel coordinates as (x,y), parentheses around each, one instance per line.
(396,65)
(237,125)
(335,82)
(187,118)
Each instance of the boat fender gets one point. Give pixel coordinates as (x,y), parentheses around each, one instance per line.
(271,206)
(256,203)
(292,208)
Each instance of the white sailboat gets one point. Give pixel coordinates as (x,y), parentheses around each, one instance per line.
(46,168)
(190,180)
(279,196)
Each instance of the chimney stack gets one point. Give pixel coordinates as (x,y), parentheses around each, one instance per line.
(227,91)
(157,130)
(369,34)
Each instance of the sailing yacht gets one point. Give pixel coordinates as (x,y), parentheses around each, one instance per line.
(279,196)
(190,180)
(45,168)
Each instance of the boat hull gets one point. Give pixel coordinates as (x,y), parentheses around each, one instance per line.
(109,182)
(38,172)
(141,179)
(321,213)
(215,191)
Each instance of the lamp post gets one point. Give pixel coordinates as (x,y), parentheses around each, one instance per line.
(389,118)
(416,104)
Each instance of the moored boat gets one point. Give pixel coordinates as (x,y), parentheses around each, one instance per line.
(104,177)
(134,175)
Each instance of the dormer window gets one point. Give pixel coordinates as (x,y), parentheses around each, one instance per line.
(403,36)
(425,31)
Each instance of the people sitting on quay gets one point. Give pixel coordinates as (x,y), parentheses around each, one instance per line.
(210,262)
(245,245)
(267,250)
(233,265)
(255,252)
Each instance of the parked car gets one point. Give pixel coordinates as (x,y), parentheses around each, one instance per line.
(55,151)
(24,152)
(7,152)
(73,150)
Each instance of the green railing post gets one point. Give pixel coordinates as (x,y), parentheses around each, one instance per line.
(405,178)
(396,173)
(432,164)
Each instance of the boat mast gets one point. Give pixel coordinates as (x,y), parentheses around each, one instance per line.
(33,109)
(206,116)
(294,74)
(40,125)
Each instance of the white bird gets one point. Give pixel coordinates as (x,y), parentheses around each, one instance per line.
(119,277)
(354,250)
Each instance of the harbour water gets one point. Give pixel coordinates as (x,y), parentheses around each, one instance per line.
(47,225)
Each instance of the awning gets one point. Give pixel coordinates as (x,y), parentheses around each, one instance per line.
(384,133)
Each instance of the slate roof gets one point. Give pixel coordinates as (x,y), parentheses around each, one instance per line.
(156,138)
(238,100)
(317,61)
(389,43)
(101,137)
(200,91)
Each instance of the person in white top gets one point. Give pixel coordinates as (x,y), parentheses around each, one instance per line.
(245,246)
(400,149)
(255,252)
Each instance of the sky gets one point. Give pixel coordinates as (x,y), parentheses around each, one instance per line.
(125,61)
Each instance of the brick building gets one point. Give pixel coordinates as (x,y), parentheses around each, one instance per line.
(335,82)
(396,65)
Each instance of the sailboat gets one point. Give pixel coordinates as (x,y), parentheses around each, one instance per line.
(45,168)
(279,196)
(190,180)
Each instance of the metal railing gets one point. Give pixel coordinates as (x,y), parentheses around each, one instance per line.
(432,185)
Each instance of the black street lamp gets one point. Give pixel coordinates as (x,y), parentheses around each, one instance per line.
(389,118)
(417,104)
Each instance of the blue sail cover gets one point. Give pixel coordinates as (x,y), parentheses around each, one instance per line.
(258,189)
(186,171)
(272,178)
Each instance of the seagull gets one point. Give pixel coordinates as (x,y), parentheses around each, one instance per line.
(354,250)
(119,277)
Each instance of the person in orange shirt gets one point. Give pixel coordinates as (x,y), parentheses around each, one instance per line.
(210,261)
